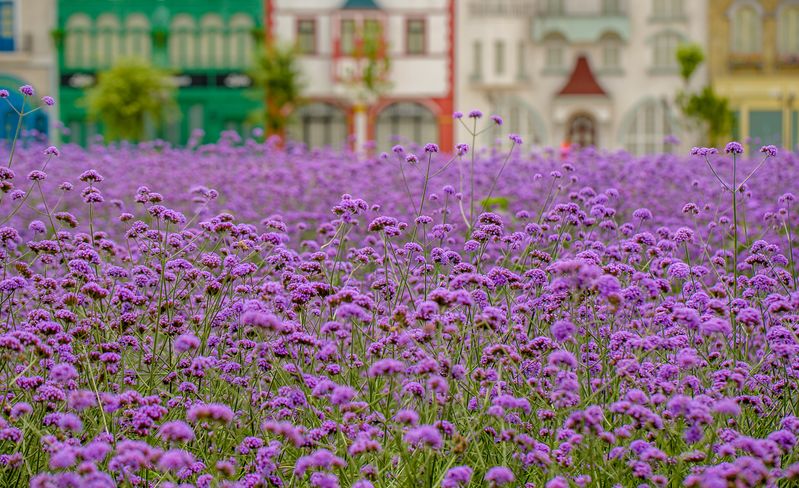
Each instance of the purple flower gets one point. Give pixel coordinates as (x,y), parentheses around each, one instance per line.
(562,330)
(457,476)
(175,460)
(499,476)
(176,431)
(457,115)
(475,114)
(4,93)
(424,435)
(516,139)
(497,119)
(26,90)
(734,148)
(769,150)
(431,148)
(48,100)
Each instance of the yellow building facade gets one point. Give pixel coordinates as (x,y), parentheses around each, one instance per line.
(754,61)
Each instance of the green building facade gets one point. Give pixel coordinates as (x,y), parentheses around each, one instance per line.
(208,46)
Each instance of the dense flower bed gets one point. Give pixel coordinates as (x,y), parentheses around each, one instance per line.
(223,316)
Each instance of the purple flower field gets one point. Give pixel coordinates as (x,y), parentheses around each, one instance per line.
(241,314)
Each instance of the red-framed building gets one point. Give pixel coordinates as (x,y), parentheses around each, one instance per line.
(416,97)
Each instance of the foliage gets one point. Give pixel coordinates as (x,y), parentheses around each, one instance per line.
(129,94)
(277,75)
(705,109)
(689,56)
(711,110)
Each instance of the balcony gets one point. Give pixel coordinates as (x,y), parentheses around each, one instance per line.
(744,61)
(580,29)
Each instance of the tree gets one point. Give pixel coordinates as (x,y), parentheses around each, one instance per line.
(128,94)
(276,73)
(706,109)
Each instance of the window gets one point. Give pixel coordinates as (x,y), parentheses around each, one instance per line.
(789,31)
(665,51)
(78,43)
(611,7)
(347,36)
(306,36)
(6,25)
(241,42)
(415,41)
(108,41)
(372,29)
(319,125)
(212,41)
(746,30)
(183,42)
(555,48)
(405,122)
(611,48)
(668,9)
(521,62)
(477,60)
(582,131)
(646,128)
(499,57)
(554,7)
(137,37)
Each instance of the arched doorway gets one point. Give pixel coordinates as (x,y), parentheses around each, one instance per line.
(319,125)
(404,122)
(581,130)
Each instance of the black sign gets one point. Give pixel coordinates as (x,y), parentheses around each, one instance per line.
(181,80)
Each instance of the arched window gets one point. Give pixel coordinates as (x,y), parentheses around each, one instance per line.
(319,125)
(667,9)
(405,122)
(646,126)
(788,30)
(582,131)
(77,42)
(611,51)
(212,41)
(611,7)
(747,28)
(137,37)
(520,118)
(554,7)
(240,44)
(108,40)
(183,42)
(665,50)
(555,51)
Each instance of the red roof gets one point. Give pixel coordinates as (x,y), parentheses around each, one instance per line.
(582,81)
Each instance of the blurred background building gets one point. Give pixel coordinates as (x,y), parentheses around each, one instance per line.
(754,61)
(26,57)
(207,45)
(587,72)
(413,101)
(599,72)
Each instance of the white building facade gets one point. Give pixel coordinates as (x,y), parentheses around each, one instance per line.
(584,72)
(414,98)
(26,57)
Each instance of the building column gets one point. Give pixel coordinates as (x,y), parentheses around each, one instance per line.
(744,119)
(360,127)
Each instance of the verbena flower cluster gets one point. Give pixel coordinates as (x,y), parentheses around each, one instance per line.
(241,314)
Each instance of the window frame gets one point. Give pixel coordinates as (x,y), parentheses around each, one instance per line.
(314,45)
(8,43)
(348,50)
(499,57)
(756,30)
(423,49)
